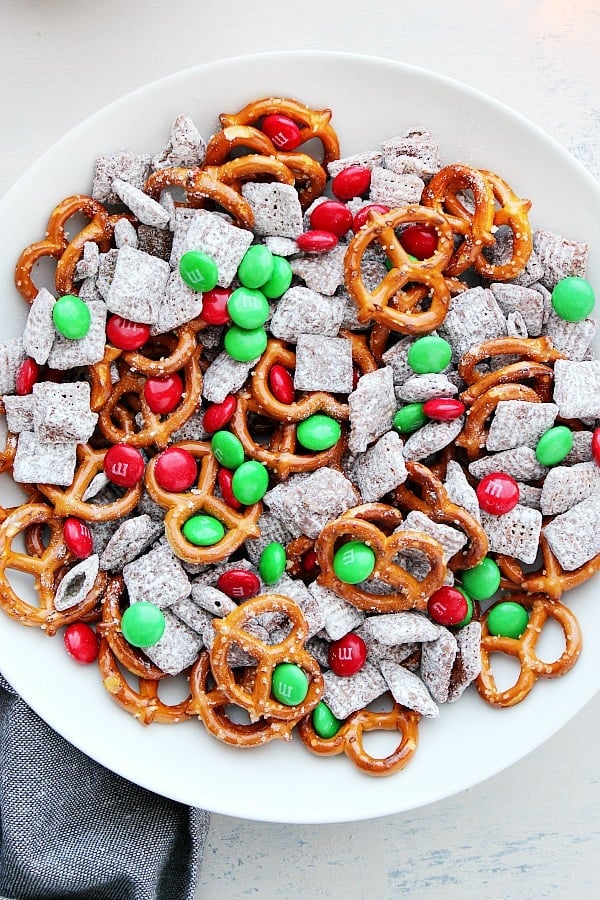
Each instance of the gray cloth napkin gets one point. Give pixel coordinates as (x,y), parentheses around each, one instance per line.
(72,829)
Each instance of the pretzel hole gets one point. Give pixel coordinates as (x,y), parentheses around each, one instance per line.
(173,689)
(75,224)
(237,714)
(505,669)
(11,493)
(43,274)
(380,744)
(552,642)
(23,584)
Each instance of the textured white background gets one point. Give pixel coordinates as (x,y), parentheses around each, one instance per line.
(532,832)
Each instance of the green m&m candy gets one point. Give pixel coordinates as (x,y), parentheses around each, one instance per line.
(245,344)
(203,530)
(554,445)
(271,565)
(198,270)
(143,624)
(228,449)
(409,418)
(256,266)
(429,354)
(71,317)
(248,308)
(573,299)
(353,562)
(289,684)
(470,610)
(280,279)
(318,432)
(483,580)
(250,482)
(324,722)
(507,619)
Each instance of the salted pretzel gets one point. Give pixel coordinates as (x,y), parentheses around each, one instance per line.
(349,739)
(511,212)
(424,492)
(358,524)
(156,429)
(473,437)
(389,304)
(280,454)
(144,703)
(68,501)
(7,454)
(43,567)
(257,699)
(524,649)
(539,350)
(313,123)
(57,245)
(202,499)
(199,186)
(135,661)
(549,578)
(210,704)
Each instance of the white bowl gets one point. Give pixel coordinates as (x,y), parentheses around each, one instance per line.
(372,99)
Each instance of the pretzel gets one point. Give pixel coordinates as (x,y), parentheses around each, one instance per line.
(357,524)
(539,350)
(474,228)
(210,705)
(512,212)
(182,506)
(434,502)
(57,245)
(388,303)
(313,123)
(523,648)
(549,579)
(156,429)
(473,437)
(258,700)
(110,629)
(144,704)
(69,501)
(44,568)
(541,375)
(253,167)
(7,454)
(294,553)
(309,175)
(280,455)
(349,739)
(200,186)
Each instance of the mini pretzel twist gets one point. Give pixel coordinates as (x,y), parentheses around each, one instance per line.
(539,350)
(110,629)
(182,506)
(388,304)
(473,437)
(201,185)
(349,739)
(210,705)
(524,649)
(435,503)
(357,524)
(513,213)
(258,700)
(313,123)
(549,578)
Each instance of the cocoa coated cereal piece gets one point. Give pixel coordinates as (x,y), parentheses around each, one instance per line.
(12,354)
(571,338)
(521,463)
(338,617)
(181,219)
(61,412)
(44,462)
(407,689)
(131,167)
(125,235)
(225,243)
(76,584)
(192,430)
(581,451)
(271,529)
(397,359)
(419,388)
(323,364)
(519,423)
(515,298)
(276,208)
(515,533)
(19,413)
(185,146)
(473,317)
(381,468)
(145,209)
(574,536)
(304,311)
(415,151)
(559,257)
(395,189)
(39,332)
(431,438)
(178,648)
(322,272)
(437,661)
(67,354)
(372,407)
(224,376)
(137,286)
(376,650)
(529,495)
(565,486)
(350,314)
(156,241)
(459,490)
(516,325)
(87,267)
(157,577)
(393,629)
(180,304)
(467,665)
(211,599)
(368,159)
(344,695)
(131,539)
(532,272)
(451,539)
(577,388)
(306,503)
(281,246)
(106,272)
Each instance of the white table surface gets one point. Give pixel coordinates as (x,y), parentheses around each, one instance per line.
(532,832)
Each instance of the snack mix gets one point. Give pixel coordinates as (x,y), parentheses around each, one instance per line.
(309,431)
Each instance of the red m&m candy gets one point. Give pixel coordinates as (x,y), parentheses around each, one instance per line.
(363,214)
(596,446)
(352,181)
(239,584)
(175,469)
(281,383)
(419,240)
(331,215)
(124,465)
(26,376)
(81,642)
(443,409)
(348,655)
(224,480)
(317,241)
(447,606)
(78,537)
(282,130)
(497,493)
(126,335)
(163,393)
(214,306)
(217,415)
